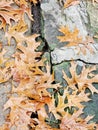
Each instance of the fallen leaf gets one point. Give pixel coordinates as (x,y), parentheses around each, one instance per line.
(72,38)
(74,122)
(71,3)
(81,81)
(21,109)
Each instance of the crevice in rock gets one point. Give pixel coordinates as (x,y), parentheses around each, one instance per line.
(36,12)
(86,62)
(37,25)
(38,28)
(76,60)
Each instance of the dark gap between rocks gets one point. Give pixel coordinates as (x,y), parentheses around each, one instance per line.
(36,12)
(37,25)
(38,28)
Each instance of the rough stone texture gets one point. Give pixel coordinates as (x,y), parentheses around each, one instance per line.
(81,16)
(74,53)
(58,72)
(92,107)
(54,16)
(84,17)
(93,19)
(4,93)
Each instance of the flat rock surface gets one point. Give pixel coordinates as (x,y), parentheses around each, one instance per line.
(54,16)
(75,53)
(84,18)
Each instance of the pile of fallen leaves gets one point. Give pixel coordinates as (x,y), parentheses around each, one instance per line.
(36,102)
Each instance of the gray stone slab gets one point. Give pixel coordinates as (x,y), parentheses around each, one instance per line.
(74,53)
(54,16)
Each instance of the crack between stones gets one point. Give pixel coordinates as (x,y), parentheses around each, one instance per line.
(74,60)
(37,28)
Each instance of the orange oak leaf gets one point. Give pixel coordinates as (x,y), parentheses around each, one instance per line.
(72,38)
(35,1)
(41,124)
(5,127)
(18,33)
(94,1)
(74,122)
(21,109)
(81,82)
(5,67)
(74,100)
(71,3)
(31,78)
(35,85)
(21,2)
(3,23)
(2,59)
(22,10)
(7,12)
(25,2)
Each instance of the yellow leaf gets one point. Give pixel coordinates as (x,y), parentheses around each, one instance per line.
(21,109)
(74,122)
(81,82)
(71,3)
(72,38)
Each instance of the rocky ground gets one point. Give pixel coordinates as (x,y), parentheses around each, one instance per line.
(49,16)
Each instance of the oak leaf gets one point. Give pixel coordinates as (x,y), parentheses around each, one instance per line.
(25,2)
(35,1)
(21,109)
(21,2)
(67,100)
(35,85)
(5,127)
(5,67)
(75,122)
(2,59)
(72,37)
(82,81)
(8,13)
(18,33)
(71,3)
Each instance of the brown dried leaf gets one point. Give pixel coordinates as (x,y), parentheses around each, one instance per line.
(71,37)
(74,122)
(7,12)
(73,100)
(81,81)
(71,3)
(18,33)
(21,109)
(35,1)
